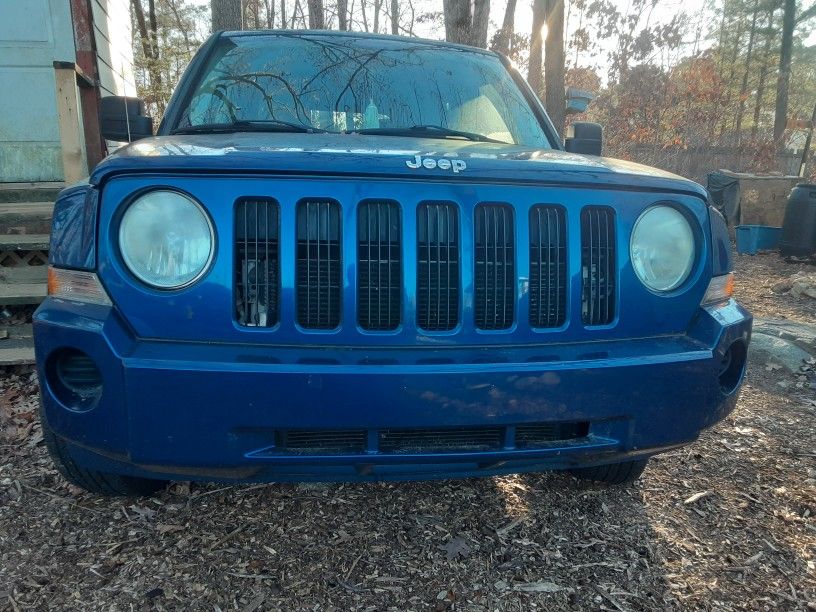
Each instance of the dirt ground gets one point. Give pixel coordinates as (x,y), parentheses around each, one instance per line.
(727,523)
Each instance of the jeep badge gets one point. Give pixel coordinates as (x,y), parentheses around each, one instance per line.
(457,165)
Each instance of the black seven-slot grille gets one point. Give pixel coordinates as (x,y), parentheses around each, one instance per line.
(548,266)
(598,265)
(437,266)
(494,275)
(319,279)
(427,439)
(257,269)
(319,269)
(379,276)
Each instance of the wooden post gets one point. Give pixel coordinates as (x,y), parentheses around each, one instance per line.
(74,164)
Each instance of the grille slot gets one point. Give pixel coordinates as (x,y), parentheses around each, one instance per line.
(495,275)
(537,434)
(257,263)
(379,271)
(598,265)
(319,440)
(319,279)
(427,440)
(437,266)
(548,266)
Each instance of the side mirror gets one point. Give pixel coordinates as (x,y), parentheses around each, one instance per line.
(584,137)
(122,119)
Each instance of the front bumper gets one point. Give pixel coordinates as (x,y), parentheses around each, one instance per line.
(217,411)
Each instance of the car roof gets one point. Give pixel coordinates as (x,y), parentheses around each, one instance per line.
(365,35)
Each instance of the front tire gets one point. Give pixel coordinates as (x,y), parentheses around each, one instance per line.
(624,472)
(93,481)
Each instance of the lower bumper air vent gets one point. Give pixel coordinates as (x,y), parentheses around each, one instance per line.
(322,441)
(538,434)
(430,440)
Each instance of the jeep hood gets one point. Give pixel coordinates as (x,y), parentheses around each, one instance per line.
(380,156)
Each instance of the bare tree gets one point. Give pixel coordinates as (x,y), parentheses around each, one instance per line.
(789,22)
(395,17)
(554,64)
(316,17)
(534,72)
(226,15)
(466,27)
(503,36)
(148,36)
(744,86)
(342,15)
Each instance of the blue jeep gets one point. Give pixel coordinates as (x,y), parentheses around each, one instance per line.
(353,257)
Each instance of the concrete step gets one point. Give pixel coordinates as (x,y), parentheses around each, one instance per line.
(28,192)
(32,217)
(16,345)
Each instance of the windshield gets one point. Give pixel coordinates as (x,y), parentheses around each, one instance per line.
(350,84)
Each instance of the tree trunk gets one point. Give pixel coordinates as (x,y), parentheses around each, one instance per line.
(534,74)
(226,15)
(504,35)
(806,148)
(783,78)
(150,48)
(763,75)
(377,6)
(395,17)
(342,15)
(478,29)
(744,87)
(729,82)
(283,13)
(316,21)
(554,65)
(457,21)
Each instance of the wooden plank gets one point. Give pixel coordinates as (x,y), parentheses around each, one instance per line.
(24,242)
(26,217)
(70,124)
(17,330)
(18,353)
(16,344)
(21,293)
(23,275)
(29,192)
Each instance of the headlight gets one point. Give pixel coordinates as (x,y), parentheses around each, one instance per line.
(166,239)
(662,248)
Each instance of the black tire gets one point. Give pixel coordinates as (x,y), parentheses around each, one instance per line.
(624,472)
(102,483)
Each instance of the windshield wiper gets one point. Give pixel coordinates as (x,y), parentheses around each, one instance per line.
(427,131)
(262,125)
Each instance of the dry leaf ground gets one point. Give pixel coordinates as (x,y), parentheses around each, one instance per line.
(727,523)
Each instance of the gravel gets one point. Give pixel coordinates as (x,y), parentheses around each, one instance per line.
(727,523)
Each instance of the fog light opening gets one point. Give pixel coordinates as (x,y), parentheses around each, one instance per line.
(732,367)
(75,379)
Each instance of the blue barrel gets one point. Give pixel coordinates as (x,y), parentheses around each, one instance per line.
(799,228)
